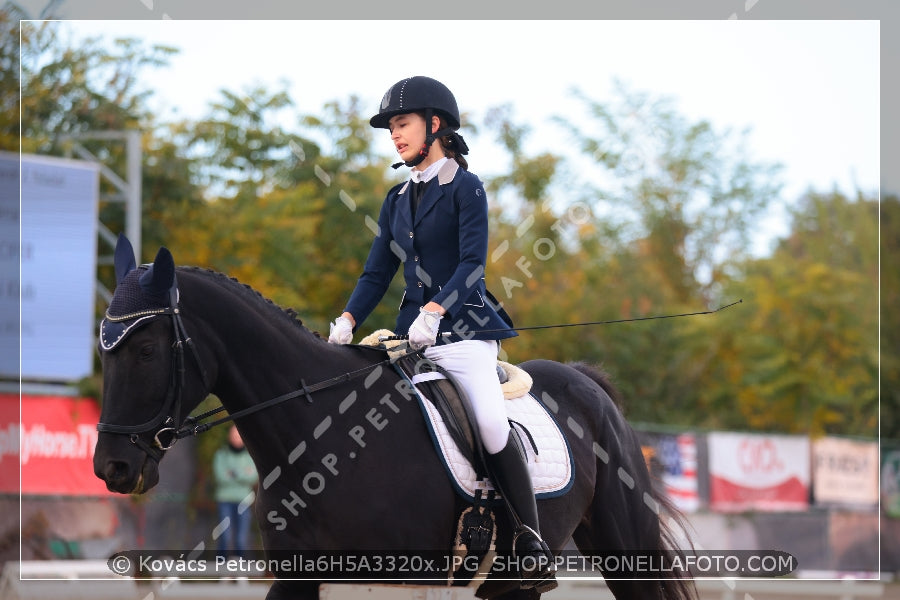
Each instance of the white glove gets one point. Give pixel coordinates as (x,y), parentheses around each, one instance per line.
(341,331)
(423,331)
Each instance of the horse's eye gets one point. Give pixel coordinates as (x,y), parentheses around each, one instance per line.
(147,351)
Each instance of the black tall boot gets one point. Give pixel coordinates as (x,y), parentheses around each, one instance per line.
(510,476)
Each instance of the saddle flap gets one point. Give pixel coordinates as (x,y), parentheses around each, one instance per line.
(448,399)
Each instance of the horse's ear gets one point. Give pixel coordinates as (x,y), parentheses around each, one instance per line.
(123,258)
(160,278)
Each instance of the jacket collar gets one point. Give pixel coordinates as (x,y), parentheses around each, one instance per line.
(432,193)
(444,176)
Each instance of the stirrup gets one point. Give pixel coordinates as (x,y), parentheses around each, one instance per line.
(543,577)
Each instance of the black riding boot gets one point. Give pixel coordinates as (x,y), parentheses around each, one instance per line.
(510,475)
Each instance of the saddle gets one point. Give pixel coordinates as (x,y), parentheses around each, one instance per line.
(448,399)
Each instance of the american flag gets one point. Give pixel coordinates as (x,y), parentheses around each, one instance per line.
(678,456)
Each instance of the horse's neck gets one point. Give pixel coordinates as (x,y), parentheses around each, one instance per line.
(256,351)
(257,355)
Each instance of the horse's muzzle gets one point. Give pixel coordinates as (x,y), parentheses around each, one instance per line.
(127,471)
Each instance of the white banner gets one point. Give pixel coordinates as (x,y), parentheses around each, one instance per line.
(58,267)
(845,472)
(758,472)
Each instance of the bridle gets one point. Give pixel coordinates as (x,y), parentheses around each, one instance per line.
(166,420)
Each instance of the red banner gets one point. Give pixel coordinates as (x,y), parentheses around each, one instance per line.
(52,447)
(758,472)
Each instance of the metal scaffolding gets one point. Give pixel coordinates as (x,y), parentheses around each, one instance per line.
(128,190)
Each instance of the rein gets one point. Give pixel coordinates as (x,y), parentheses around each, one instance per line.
(191,427)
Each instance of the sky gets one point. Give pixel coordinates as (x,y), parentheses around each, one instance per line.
(808,91)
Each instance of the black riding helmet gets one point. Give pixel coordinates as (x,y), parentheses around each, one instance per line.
(425,94)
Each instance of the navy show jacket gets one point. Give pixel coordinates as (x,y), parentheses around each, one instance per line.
(443,252)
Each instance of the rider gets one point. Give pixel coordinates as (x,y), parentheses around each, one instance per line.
(436,224)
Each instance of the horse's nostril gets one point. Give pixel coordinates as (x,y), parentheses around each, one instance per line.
(115,470)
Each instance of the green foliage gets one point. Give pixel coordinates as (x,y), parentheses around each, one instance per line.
(685,196)
(69,90)
(808,356)
(889,317)
(10,31)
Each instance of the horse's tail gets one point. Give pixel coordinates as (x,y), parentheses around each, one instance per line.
(673,527)
(679,587)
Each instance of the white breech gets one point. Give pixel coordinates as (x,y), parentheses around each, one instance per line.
(473,363)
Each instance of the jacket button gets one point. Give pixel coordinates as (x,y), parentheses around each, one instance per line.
(410,234)
(419,284)
(416,259)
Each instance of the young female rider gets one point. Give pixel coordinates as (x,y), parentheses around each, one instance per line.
(436,224)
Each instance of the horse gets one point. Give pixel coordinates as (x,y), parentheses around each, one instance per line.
(345,461)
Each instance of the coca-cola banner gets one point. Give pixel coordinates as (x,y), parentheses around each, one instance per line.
(845,472)
(758,472)
(53,443)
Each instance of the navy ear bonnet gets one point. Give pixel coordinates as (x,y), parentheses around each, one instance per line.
(142,293)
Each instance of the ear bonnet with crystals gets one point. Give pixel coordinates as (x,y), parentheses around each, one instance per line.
(142,293)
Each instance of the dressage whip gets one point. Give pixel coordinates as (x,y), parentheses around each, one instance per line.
(586,323)
(191,426)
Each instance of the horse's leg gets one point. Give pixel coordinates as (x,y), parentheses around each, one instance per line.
(293,590)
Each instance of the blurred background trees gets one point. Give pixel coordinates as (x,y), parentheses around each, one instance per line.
(645,213)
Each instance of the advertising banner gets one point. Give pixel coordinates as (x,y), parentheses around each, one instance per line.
(676,457)
(845,472)
(758,472)
(58,261)
(54,444)
(890,479)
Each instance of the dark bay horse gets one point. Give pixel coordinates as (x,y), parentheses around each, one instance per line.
(348,466)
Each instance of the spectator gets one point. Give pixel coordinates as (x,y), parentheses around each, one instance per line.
(235,479)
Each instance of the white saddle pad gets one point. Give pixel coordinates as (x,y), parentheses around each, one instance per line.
(551,467)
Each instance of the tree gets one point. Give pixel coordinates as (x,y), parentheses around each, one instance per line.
(69,90)
(668,209)
(10,31)
(889,283)
(802,356)
(686,193)
(273,214)
(73,90)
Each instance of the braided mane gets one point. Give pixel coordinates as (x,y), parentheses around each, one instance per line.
(246,291)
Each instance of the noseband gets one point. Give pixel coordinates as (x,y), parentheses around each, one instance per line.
(166,420)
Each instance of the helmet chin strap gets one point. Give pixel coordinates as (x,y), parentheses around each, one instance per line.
(426,147)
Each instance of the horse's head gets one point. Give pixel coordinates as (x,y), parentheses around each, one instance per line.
(145,392)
